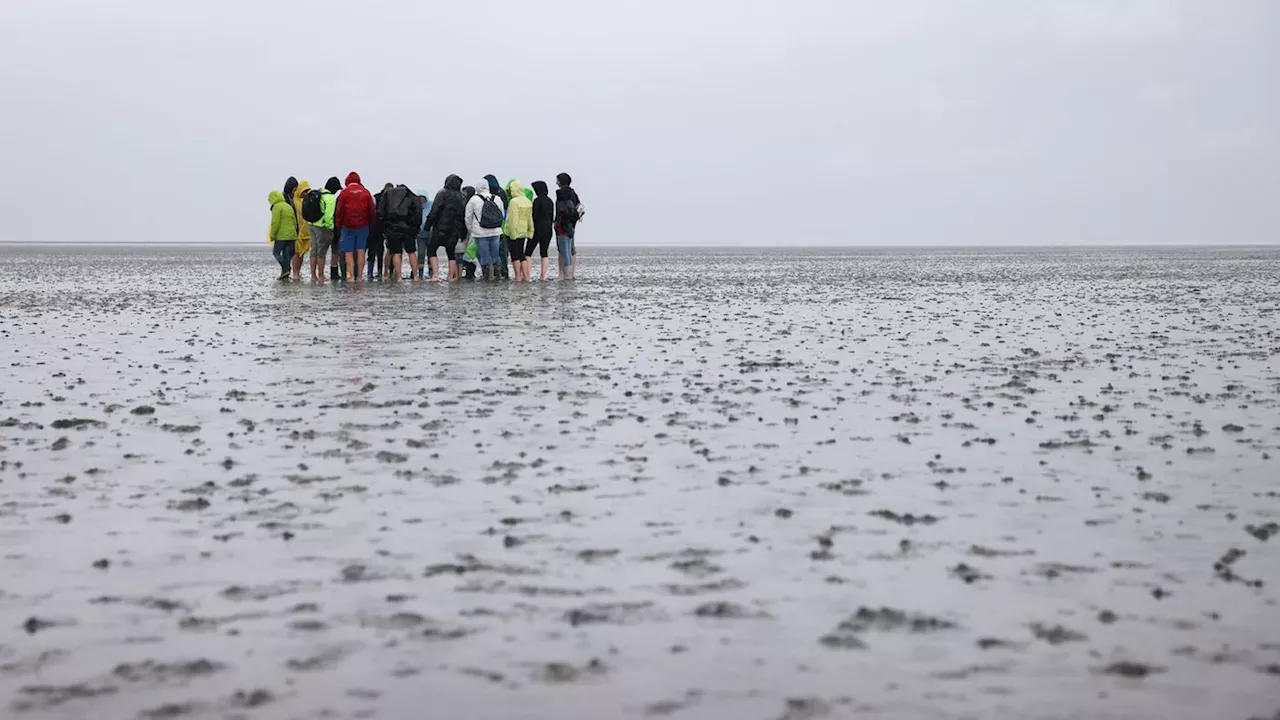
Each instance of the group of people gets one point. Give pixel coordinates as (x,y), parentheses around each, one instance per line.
(490,229)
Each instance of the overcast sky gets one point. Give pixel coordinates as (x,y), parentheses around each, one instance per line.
(781,122)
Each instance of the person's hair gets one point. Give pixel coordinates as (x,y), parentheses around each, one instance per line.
(563,180)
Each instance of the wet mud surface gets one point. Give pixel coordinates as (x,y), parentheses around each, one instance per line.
(694,484)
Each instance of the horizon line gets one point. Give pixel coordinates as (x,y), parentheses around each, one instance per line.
(201,244)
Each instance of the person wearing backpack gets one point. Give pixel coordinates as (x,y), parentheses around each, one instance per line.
(518,228)
(399,216)
(283,231)
(568,212)
(354,215)
(444,224)
(503,255)
(485,215)
(317,211)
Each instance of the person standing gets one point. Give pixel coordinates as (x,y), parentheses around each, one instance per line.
(303,245)
(311,211)
(399,217)
(444,224)
(353,217)
(465,249)
(544,217)
(518,228)
(485,215)
(283,231)
(568,212)
(377,238)
(498,192)
(328,204)
(424,236)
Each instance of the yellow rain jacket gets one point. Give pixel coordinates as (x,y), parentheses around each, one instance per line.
(519,225)
(304,227)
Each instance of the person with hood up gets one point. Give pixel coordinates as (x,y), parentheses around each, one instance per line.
(465,250)
(544,217)
(498,192)
(322,243)
(354,215)
(424,236)
(377,239)
(485,215)
(283,231)
(445,223)
(518,228)
(399,218)
(303,246)
(289,186)
(567,216)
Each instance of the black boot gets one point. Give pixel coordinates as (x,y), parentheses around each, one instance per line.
(333,272)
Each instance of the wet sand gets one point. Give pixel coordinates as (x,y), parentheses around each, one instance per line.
(698,484)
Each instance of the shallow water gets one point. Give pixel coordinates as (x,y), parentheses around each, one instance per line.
(694,483)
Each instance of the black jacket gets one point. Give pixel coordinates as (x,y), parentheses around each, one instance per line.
(544,212)
(400,212)
(447,218)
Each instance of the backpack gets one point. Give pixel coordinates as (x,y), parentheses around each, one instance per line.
(399,203)
(312,207)
(491,216)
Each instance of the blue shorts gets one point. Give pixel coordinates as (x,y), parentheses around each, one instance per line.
(354,239)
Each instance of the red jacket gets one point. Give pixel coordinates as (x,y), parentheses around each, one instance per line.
(355,207)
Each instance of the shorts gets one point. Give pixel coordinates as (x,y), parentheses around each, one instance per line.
(355,239)
(564,245)
(321,241)
(433,250)
(516,248)
(542,246)
(398,244)
(487,250)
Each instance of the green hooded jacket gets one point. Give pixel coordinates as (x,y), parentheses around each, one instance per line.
(284,220)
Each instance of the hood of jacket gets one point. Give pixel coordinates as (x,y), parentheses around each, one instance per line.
(540,188)
(273,197)
(492,181)
(353,178)
(514,188)
(334,185)
(303,188)
(483,190)
(453,182)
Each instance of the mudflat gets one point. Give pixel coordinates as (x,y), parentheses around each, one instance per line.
(693,483)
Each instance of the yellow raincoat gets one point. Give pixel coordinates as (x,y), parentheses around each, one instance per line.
(304,227)
(519,224)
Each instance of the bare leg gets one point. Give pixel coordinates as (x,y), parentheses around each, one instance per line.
(393,267)
(453,270)
(434,262)
(351,267)
(542,276)
(360,257)
(297,267)
(413,267)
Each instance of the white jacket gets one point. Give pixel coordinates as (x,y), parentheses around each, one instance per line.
(475,206)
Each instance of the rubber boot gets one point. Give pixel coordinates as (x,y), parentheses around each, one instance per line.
(333,272)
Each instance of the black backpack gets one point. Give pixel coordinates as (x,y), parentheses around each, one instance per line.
(491,216)
(312,206)
(399,204)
